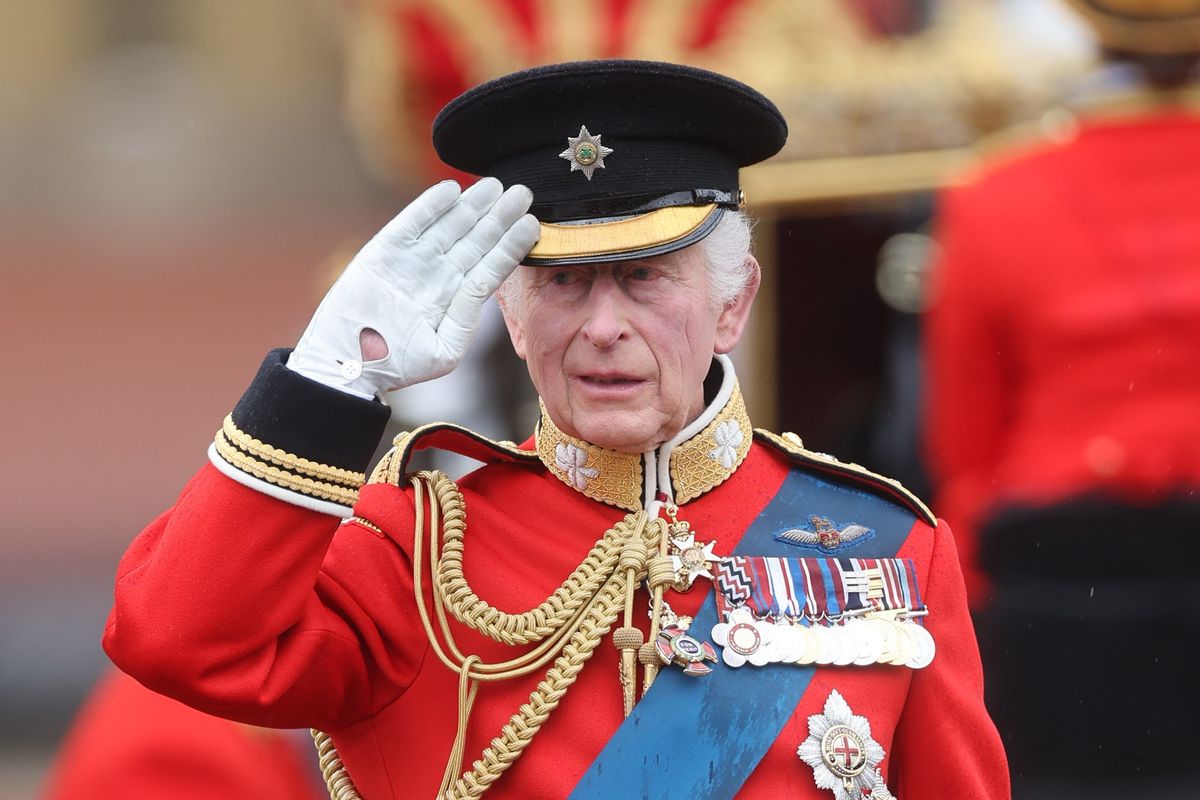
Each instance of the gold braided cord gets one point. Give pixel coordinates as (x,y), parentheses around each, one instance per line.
(293,463)
(650,666)
(387,470)
(570,640)
(532,625)
(520,730)
(455,660)
(627,638)
(467,690)
(322,491)
(337,780)
(582,630)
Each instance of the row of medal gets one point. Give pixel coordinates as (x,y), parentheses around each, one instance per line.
(861,641)
(823,611)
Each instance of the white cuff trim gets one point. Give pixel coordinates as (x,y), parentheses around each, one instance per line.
(278,492)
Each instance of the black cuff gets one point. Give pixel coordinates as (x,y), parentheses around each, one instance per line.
(307,419)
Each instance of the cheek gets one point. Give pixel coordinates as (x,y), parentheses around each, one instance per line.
(695,337)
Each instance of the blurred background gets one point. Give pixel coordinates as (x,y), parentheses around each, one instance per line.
(180,181)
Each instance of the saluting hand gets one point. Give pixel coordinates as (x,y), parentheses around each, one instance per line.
(409,303)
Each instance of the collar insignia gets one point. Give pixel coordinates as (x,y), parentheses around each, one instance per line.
(843,756)
(572,460)
(601,474)
(585,152)
(823,534)
(696,465)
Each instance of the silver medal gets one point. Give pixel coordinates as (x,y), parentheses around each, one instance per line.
(744,638)
(923,648)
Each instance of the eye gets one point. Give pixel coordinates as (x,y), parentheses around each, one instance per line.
(563,277)
(641,273)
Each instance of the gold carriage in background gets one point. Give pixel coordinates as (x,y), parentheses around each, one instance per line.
(884,98)
(913,82)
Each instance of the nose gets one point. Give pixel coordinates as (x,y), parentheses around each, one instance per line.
(606,322)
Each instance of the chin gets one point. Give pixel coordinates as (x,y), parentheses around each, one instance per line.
(619,432)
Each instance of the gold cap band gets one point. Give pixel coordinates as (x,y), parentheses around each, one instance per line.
(645,234)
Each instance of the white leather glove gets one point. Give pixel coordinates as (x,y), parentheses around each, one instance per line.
(420,283)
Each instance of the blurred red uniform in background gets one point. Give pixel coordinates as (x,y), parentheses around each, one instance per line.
(1063,421)
(129,743)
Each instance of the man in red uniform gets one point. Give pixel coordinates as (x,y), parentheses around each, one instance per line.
(281,590)
(1064,415)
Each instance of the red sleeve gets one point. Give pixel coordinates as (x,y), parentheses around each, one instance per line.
(231,603)
(946,743)
(965,412)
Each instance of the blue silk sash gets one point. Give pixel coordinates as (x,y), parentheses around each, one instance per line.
(699,738)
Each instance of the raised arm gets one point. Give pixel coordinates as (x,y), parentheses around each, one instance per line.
(251,598)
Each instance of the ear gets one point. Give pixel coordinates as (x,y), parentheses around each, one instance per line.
(512,321)
(736,313)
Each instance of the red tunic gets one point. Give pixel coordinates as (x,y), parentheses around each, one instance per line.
(1064,345)
(129,743)
(256,609)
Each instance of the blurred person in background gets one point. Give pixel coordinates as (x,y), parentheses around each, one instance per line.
(1063,418)
(129,743)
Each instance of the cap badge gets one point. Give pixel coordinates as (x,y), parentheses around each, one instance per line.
(585,152)
(843,756)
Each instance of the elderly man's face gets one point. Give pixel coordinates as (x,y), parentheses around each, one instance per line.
(619,351)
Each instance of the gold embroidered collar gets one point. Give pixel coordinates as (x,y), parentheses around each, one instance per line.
(701,457)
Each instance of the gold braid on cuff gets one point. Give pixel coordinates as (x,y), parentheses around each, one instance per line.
(286,470)
(293,463)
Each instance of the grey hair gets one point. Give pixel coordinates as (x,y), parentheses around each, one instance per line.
(724,250)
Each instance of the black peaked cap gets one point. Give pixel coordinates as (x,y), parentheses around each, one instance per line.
(678,135)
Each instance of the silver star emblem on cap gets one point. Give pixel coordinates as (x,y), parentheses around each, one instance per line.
(585,152)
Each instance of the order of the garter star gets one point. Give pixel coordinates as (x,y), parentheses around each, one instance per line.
(843,755)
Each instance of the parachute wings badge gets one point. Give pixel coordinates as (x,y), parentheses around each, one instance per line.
(823,534)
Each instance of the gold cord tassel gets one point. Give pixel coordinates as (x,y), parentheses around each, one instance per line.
(650,662)
(628,638)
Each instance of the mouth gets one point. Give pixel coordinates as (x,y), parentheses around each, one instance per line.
(609,380)
(609,387)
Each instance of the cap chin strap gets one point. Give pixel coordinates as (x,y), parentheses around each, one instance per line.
(587,212)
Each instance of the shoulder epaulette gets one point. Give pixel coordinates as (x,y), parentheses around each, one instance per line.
(887,488)
(449,438)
